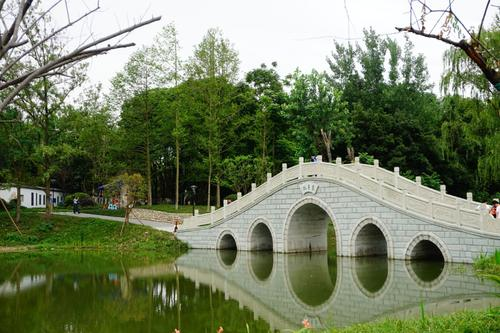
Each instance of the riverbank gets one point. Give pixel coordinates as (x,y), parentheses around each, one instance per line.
(70,232)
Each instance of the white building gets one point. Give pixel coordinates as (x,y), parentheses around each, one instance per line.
(32,196)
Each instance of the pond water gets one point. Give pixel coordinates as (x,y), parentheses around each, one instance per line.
(202,290)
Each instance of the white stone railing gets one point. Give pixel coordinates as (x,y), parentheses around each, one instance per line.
(384,185)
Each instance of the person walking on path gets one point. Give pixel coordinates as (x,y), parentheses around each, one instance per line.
(76,206)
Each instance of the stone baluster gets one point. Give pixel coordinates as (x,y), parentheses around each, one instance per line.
(301,161)
(396,177)
(224,204)
(338,163)
(283,172)
(319,158)
(469,197)
(418,180)
(376,165)
(238,196)
(196,212)
(268,181)
(212,211)
(442,188)
(254,186)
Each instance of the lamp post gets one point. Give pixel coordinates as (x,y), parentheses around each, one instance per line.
(193,188)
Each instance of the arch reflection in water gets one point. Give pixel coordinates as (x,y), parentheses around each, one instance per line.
(309,278)
(355,291)
(262,264)
(426,273)
(227,257)
(371,274)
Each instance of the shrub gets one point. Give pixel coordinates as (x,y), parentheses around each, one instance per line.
(84,199)
(231,197)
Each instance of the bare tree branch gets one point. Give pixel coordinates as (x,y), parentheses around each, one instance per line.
(12,82)
(475,50)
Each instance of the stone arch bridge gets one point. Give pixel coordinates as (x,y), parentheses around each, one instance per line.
(373,211)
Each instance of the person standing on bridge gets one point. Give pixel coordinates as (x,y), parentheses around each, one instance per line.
(495,209)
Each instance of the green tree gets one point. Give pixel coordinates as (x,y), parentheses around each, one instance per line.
(321,116)
(216,63)
(131,188)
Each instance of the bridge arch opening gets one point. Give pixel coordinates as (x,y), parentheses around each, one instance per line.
(227,242)
(426,250)
(307,229)
(261,238)
(370,241)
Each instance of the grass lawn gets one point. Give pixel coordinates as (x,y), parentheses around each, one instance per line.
(169,208)
(69,232)
(460,322)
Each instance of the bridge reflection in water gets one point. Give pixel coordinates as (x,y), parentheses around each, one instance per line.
(283,289)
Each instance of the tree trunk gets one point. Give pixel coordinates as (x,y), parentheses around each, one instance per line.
(18,203)
(209,178)
(218,192)
(327,141)
(177,163)
(45,142)
(48,204)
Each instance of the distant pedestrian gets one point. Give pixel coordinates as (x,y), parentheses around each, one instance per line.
(495,209)
(76,206)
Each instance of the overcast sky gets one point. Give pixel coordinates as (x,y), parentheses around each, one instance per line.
(294,33)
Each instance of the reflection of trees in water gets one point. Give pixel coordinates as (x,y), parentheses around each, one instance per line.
(114,302)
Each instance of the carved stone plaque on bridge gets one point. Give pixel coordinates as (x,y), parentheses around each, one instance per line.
(309,187)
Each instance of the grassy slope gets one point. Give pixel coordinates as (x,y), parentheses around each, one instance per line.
(68,232)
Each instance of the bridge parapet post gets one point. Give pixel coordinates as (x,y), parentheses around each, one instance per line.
(376,164)
(254,186)
(396,176)
(319,158)
(301,161)
(196,212)
(224,203)
(212,211)
(469,196)
(442,189)
(238,196)
(283,172)
(268,181)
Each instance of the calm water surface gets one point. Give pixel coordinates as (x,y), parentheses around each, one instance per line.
(203,290)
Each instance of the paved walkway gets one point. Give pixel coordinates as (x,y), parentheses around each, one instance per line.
(153,224)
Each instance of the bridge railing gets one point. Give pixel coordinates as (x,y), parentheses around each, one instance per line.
(382,184)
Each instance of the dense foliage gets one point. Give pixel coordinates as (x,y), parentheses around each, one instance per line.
(194,123)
